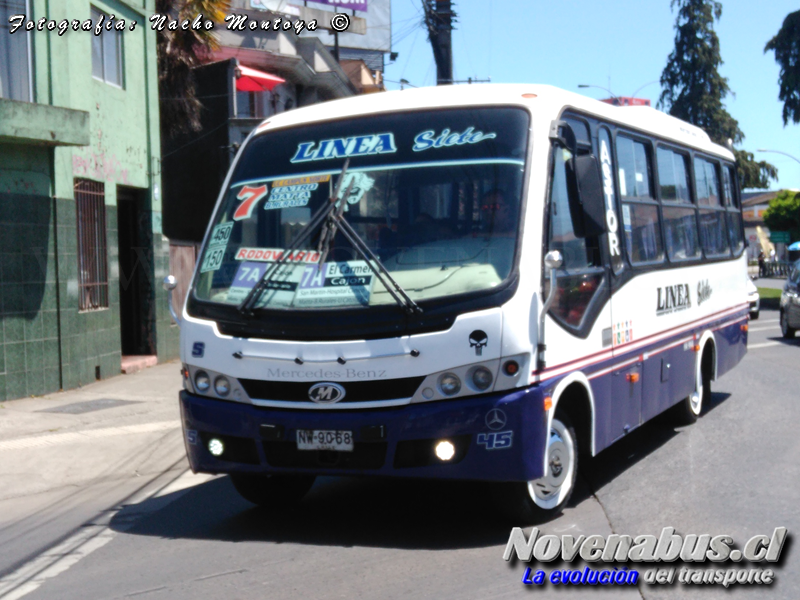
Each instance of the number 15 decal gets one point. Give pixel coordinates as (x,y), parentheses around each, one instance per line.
(250,197)
(496,440)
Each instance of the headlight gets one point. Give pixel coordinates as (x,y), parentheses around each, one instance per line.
(449,384)
(201,381)
(482,378)
(222,386)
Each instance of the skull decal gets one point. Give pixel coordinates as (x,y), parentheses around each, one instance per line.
(478,340)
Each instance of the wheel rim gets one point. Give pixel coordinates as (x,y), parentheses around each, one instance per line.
(550,490)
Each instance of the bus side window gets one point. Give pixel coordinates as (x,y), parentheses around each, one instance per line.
(734,210)
(640,218)
(680,217)
(713,227)
(581,273)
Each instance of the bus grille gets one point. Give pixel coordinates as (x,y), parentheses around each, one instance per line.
(355,391)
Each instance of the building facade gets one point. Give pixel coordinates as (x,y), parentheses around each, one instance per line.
(81,249)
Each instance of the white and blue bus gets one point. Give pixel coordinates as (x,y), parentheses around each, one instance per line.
(475,283)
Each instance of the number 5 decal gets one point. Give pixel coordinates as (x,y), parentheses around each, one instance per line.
(250,197)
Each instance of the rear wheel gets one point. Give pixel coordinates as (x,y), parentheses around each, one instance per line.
(544,498)
(786,331)
(272,490)
(689,409)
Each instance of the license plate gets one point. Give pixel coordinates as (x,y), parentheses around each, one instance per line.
(317,439)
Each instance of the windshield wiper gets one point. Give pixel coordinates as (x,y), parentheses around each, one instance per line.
(246,307)
(374,263)
(332,214)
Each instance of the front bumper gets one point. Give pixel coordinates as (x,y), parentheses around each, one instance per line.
(395,442)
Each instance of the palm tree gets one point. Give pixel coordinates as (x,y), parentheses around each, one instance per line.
(179,51)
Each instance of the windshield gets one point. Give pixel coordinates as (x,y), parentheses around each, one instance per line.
(435,195)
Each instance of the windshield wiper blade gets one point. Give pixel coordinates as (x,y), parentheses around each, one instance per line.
(246,307)
(381,272)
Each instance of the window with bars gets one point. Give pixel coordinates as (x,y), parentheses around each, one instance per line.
(92,254)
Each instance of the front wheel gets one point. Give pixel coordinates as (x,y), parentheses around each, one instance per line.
(275,491)
(541,499)
(786,331)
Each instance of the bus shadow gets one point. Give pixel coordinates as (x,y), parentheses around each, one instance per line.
(369,512)
(609,464)
(342,512)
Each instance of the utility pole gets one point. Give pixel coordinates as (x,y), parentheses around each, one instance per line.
(439,18)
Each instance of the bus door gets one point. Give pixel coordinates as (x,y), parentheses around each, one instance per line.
(581,306)
(628,373)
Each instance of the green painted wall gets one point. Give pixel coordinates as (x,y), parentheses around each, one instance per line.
(45,341)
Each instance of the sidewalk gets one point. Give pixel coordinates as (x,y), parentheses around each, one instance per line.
(69,456)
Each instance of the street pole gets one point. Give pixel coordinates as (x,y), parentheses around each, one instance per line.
(779,152)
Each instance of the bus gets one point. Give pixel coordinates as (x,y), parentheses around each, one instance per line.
(482,283)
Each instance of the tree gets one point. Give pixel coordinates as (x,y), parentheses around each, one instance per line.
(179,51)
(786,45)
(693,89)
(783,213)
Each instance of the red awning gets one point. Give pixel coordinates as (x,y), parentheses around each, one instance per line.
(252,80)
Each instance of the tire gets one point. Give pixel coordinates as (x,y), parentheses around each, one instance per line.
(542,499)
(274,491)
(754,315)
(786,331)
(688,410)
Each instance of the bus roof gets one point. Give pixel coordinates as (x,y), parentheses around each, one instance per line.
(543,101)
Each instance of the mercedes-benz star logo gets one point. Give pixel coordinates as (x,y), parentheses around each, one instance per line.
(495,419)
(326,393)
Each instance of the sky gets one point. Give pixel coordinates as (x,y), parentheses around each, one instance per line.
(621,45)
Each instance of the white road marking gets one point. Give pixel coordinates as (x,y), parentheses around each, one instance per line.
(764,328)
(55,439)
(764,345)
(51,563)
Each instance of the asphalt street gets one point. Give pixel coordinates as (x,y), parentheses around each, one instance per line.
(108,510)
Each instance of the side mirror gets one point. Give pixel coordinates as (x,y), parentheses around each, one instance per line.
(584,184)
(170,283)
(553,259)
(591,199)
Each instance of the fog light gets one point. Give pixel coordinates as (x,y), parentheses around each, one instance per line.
(216,447)
(202,381)
(482,378)
(445,450)
(449,384)
(222,386)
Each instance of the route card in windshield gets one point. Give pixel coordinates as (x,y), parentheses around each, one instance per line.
(280,288)
(336,284)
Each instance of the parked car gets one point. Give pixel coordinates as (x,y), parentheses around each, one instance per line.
(753,299)
(790,302)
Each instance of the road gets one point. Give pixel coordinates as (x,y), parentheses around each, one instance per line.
(735,472)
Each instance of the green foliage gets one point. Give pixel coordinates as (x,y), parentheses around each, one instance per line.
(693,89)
(753,174)
(179,51)
(783,213)
(786,45)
